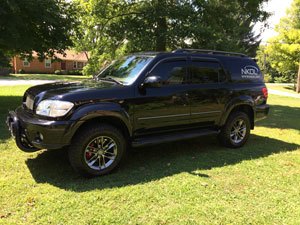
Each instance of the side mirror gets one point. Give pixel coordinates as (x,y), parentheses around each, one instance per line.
(152,82)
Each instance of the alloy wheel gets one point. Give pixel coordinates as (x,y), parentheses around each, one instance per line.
(238,131)
(100,153)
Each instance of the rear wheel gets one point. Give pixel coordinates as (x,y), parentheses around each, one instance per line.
(97,150)
(236,131)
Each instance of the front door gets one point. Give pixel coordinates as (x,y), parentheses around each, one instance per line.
(165,108)
(63,65)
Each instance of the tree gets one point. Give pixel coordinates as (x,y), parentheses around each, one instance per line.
(264,62)
(112,27)
(284,49)
(43,26)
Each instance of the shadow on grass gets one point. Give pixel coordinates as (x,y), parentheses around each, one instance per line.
(284,117)
(195,157)
(291,88)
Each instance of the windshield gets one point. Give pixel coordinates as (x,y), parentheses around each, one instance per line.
(125,69)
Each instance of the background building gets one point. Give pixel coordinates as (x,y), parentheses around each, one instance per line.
(71,61)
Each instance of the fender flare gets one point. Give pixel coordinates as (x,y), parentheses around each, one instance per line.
(105,109)
(236,102)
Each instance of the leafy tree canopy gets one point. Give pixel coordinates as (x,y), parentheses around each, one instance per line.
(283,52)
(111,27)
(34,25)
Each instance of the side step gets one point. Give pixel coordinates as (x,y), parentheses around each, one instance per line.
(171,137)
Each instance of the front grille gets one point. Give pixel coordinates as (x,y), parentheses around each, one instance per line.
(29,102)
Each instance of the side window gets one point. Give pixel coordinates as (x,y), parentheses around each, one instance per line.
(205,72)
(171,72)
(48,63)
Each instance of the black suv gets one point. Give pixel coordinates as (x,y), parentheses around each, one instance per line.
(141,99)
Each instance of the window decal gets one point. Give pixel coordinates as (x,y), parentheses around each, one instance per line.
(250,72)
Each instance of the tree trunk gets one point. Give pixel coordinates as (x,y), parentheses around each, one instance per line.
(298,80)
(87,55)
(161,38)
(162,26)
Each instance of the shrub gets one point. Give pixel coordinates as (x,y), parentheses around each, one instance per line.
(75,72)
(21,71)
(282,80)
(268,78)
(58,72)
(90,69)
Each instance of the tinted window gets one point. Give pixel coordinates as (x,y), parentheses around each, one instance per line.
(171,72)
(205,72)
(125,69)
(243,70)
(222,75)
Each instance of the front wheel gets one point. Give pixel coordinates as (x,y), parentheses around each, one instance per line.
(236,131)
(97,150)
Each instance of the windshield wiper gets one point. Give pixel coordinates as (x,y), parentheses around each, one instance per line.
(110,79)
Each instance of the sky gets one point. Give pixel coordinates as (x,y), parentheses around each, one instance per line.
(278,8)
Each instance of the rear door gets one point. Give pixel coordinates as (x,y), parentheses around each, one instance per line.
(205,92)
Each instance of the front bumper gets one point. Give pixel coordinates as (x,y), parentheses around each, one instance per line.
(261,111)
(32,133)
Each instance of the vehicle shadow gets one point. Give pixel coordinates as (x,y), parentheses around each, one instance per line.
(195,157)
(284,117)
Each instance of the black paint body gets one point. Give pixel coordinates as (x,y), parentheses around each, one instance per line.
(146,115)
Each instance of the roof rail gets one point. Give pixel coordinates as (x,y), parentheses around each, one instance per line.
(213,52)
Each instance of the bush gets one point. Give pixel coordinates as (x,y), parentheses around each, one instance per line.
(282,80)
(21,71)
(74,72)
(89,69)
(268,78)
(58,72)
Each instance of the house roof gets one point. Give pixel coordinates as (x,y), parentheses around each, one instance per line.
(70,55)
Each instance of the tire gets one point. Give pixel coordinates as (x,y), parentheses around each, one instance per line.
(97,150)
(236,131)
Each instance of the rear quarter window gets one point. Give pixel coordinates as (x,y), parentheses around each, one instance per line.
(243,70)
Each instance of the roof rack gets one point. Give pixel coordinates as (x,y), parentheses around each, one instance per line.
(145,53)
(213,52)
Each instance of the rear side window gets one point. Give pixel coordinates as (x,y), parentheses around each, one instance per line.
(243,70)
(172,72)
(205,72)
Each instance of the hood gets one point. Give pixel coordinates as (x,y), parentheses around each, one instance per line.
(86,90)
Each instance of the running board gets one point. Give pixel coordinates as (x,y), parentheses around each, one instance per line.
(171,137)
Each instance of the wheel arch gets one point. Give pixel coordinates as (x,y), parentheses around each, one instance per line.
(246,107)
(109,113)
(110,120)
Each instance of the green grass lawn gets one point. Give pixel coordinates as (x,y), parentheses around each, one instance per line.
(285,88)
(43,77)
(190,182)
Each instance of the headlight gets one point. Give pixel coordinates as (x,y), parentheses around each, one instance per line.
(54,108)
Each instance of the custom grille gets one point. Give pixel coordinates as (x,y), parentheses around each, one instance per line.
(29,102)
